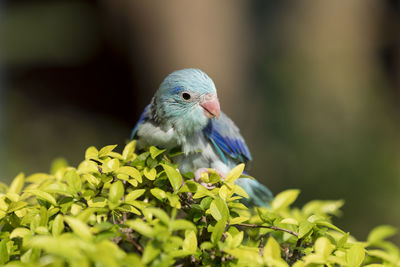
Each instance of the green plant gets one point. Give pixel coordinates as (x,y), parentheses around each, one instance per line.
(136,209)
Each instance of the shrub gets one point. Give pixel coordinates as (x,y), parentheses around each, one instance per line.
(136,209)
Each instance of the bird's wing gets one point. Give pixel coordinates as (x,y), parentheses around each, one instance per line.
(143,118)
(227,140)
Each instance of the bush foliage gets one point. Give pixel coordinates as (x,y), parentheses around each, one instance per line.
(133,209)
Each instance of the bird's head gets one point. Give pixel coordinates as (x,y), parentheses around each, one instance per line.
(186,100)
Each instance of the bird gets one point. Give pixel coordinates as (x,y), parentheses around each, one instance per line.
(185,113)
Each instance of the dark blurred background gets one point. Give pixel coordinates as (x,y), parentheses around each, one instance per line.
(313,85)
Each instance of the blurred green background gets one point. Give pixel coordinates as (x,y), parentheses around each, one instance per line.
(313,85)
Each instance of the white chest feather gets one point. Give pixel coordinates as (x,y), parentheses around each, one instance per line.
(198,152)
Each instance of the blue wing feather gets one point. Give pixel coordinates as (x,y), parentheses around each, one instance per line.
(227,140)
(144,117)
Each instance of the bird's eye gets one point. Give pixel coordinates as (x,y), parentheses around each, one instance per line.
(186,96)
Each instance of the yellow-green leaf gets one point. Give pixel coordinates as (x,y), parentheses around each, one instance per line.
(43,195)
(355,255)
(134,194)
(150,173)
(17,184)
(158,193)
(106,150)
(272,249)
(131,171)
(235,173)
(92,153)
(284,199)
(20,232)
(88,166)
(110,166)
(381,233)
(304,228)
(323,247)
(174,177)
(219,209)
(141,227)
(190,242)
(154,152)
(181,224)
(116,192)
(58,225)
(79,228)
(73,180)
(127,153)
(14,206)
(218,230)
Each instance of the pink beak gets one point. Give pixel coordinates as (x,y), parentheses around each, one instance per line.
(210,104)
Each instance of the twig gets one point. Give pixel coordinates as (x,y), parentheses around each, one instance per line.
(130,239)
(275,228)
(296,252)
(261,245)
(124,215)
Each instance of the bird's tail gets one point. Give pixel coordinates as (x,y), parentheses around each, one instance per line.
(259,194)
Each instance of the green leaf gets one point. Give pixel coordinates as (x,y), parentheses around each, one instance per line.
(128,151)
(382,255)
(381,233)
(20,232)
(43,195)
(158,193)
(110,166)
(218,231)
(88,166)
(14,206)
(355,255)
(343,240)
(128,208)
(190,242)
(134,194)
(284,199)
(154,152)
(240,191)
(323,247)
(150,253)
(79,228)
(150,173)
(159,213)
(116,192)
(73,180)
(329,225)
(58,164)
(202,192)
(237,239)
(181,224)
(304,228)
(4,256)
(174,177)
(141,227)
(272,249)
(58,225)
(174,200)
(91,179)
(219,209)
(206,245)
(92,153)
(17,184)
(106,150)
(131,171)
(234,174)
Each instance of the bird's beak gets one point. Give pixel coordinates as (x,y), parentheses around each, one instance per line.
(210,104)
